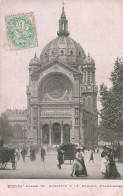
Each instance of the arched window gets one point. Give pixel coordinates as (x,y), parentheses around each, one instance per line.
(45,53)
(89,102)
(93,76)
(62,26)
(79,53)
(53,52)
(89,76)
(84,101)
(84,77)
(71,53)
(62,52)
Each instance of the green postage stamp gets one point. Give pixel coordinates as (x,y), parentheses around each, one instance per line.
(21,31)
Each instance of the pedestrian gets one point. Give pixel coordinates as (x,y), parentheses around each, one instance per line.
(84,172)
(111,169)
(77,167)
(43,153)
(97,150)
(18,154)
(23,153)
(60,156)
(104,160)
(32,154)
(119,152)
(91,156)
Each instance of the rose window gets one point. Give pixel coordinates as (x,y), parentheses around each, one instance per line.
(56,89)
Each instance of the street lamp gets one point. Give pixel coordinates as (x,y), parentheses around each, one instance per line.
(24,135)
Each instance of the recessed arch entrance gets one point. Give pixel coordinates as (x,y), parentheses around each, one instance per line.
(66,133)
(45,134)
(56,134)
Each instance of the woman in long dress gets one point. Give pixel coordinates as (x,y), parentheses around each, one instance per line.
(104,160)
(111,169)
(91,156)
(84,171)
(77,167)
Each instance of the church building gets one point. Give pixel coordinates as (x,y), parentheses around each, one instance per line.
(62,93)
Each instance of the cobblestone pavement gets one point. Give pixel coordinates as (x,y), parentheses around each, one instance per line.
(38,170)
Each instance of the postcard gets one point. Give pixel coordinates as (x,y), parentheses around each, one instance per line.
(61,97)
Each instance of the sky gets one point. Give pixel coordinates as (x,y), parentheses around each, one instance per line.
(96,25)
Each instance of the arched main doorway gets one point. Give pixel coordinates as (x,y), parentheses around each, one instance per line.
(66,133)
(45,134)
(56,134)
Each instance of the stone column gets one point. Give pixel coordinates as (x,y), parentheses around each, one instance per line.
(39,127)
(61,132)
(31,128)
(50,127)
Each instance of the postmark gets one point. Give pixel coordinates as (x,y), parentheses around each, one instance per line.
(21,31)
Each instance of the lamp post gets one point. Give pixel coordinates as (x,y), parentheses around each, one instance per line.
(79,120)
(24,135)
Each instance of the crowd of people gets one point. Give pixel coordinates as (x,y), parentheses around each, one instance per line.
(108,166)
(108,155)
(30,152)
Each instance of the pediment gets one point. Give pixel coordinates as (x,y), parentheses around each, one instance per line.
(56,65)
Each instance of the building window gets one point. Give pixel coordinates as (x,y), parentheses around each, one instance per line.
(53,52)
(89,76)
(84,76)
(89,102)
(76,121)
(71,53)
(45,53)
(93,76)
(62,26)
(62,52)
(79,53)
(84,101)
(76,111)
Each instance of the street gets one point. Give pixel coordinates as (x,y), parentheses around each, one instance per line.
(49,169)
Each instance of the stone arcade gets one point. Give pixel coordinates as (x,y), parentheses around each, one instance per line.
(62,93)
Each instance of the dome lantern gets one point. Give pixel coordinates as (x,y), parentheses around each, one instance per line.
(63,24)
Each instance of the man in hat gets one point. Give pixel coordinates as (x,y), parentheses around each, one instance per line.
(43,153)
(60,156)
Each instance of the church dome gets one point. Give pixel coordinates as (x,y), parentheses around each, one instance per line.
(35,61)
(63,47)
(88,60)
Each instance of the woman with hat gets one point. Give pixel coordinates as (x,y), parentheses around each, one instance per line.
(111,169)
(104,160)
(77,165)
(84,172)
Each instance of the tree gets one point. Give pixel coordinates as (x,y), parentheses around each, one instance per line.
(17,131)
(112,100)
(5,128)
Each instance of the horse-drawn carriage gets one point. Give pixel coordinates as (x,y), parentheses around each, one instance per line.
(69,151)
(7,155)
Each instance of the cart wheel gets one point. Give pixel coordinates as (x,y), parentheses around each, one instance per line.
(3,165)
(14,165)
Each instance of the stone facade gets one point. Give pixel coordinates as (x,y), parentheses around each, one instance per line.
(17,116)
(62,93)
